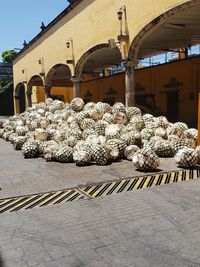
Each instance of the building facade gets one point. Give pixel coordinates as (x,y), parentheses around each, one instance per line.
(91,35)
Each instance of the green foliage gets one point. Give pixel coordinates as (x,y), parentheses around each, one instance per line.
(5,85)
(8,56)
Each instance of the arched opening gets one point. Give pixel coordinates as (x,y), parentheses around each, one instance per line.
(59,83)
(96,70)
(174,86)
(35,90)
(20,99)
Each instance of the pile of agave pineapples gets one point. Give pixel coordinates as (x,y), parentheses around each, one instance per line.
(99,133)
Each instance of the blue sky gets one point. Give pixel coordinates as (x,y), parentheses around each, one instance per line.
(21,19)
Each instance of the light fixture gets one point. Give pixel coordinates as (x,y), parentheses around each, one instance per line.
(120,14)
(41,62)
(68,44)
(122,17)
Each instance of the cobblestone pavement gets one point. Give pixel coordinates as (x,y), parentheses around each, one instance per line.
(146,228)
(21,176)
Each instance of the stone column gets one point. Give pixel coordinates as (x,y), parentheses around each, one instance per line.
(29,99)
(76,83)
(47,89)
(129,83)
(29,95)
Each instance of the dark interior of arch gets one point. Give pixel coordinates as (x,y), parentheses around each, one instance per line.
(100,59)
(36,81)
(59,75)
(21,97)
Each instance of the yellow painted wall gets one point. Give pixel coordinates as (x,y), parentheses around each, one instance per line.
(109,89)
(40,94)
(34,96)
(149,81)
(186,72)
(152,81)
(64,93)
(90,23)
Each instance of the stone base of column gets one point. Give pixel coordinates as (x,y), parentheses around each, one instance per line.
(76,83)
(29,99)
(47,89)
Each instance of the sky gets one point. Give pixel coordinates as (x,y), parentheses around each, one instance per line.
(21,20)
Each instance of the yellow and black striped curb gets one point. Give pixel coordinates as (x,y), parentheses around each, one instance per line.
(135,183)
(39,200)
(96,190)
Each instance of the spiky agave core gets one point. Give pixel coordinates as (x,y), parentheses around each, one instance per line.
(186,157)
(64,154)
(98,133)
(146,160)
(30,149)
(100,155)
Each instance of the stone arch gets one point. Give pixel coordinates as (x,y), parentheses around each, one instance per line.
(58,74)
(20,98)
(35,80)
(58,82)
(172,30)
(86,56)
(155,24)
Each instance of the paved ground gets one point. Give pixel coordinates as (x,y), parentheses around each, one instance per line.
(19,176)
(145,228)
(156,227)
(4,117)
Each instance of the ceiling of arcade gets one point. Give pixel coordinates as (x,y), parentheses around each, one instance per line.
(181,30)
(59,76)
(102,58)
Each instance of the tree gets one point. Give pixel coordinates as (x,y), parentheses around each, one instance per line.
(8,56)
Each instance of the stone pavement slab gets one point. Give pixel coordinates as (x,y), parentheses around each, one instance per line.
(156,227)
(19,176)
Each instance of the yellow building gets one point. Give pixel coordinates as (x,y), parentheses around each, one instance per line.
(91,35)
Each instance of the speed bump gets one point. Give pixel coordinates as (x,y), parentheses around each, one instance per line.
(142,182)
(39,200)
(95,190)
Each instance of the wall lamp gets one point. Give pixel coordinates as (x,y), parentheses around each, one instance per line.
(122,17)
(41,62)
(24,76)
(120,14)
(70,44)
